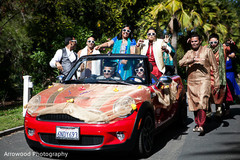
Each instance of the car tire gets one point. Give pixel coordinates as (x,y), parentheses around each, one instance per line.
(145,139)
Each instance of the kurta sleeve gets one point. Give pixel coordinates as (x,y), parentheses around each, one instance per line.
(213,63)
(186,60)
(168,47)
(57,58)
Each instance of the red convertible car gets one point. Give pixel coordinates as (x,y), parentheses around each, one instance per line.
(107,102)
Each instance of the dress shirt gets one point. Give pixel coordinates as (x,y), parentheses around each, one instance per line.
(58,56)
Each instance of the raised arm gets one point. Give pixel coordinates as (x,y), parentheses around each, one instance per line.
(139,46)
(132,46)
(166,48)
(186,60)
(105,45)
(173,52)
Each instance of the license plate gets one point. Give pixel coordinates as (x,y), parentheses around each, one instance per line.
(67,133)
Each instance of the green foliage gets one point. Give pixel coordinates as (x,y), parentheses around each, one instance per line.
(32,31)
(15,44)
(11,117)
(205,17)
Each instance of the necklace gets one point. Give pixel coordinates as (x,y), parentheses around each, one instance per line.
(90,51)
(196,54)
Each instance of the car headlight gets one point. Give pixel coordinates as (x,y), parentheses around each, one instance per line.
(123,106)
(35,99)
(33,104)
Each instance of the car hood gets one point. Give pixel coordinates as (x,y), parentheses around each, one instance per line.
(89,102)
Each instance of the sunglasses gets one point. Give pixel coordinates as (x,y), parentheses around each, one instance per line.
(213,42)
(227,44)
(126,30)
(151,34)
(139,70)
(74,40)
(90,41)
(107,70)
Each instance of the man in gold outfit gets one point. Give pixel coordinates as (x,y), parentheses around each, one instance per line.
(199,62)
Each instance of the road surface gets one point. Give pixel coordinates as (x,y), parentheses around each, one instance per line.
(221,142)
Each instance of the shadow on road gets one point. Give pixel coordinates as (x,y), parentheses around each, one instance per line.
(213,122)
(228,147)
(233,150)
(233,112)
(172,132)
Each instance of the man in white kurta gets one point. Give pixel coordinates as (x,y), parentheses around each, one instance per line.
(94,66)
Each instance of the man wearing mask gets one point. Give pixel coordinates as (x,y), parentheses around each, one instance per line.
(219,51)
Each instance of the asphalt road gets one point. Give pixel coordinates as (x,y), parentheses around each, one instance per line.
(221,142)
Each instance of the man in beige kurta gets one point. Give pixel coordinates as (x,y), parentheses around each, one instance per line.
(199,61)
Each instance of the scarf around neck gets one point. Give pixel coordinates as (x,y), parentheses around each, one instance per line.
(222,65)
(117,46)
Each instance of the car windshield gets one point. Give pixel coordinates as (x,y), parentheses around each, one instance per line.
(113,69)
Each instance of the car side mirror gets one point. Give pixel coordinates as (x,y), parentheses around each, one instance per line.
(60,78)
(164,80)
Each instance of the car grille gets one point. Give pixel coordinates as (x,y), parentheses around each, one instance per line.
(58,117)
(85,140)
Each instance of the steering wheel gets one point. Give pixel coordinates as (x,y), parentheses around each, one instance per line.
(131,79)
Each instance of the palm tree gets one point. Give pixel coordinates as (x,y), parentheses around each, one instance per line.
(188,15)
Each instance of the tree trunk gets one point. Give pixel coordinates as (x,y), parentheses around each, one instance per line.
(174,26)
(174,44)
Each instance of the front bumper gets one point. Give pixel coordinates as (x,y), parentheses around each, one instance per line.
(93,137)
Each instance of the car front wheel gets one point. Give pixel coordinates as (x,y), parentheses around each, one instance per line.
(145,141)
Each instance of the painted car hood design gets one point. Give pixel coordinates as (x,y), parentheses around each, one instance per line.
(89,102)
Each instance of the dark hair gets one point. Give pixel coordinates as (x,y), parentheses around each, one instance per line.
(67,39)
(214,35)
(110,64)
(233,47)
(90,37)
(151,28)
(139,65)
(119,36)
(194,34)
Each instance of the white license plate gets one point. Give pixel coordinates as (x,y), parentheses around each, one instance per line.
(67,133)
